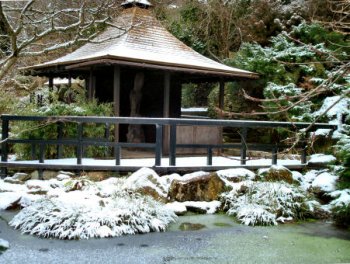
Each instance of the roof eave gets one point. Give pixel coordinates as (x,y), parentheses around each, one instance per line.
(66,66)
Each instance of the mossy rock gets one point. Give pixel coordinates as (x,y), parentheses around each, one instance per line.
(276,173)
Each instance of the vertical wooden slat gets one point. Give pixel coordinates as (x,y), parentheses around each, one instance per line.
(159,144)
(117,152)
(243,145)
(91,84)
(274,155)
(80,145)
(210,156)
(172,147)
(59,137)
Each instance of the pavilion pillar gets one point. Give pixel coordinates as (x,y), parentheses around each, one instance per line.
(116,99)
(50,87)
(166,105)
(221,96)
(221,107)
(91,85)
(166,110)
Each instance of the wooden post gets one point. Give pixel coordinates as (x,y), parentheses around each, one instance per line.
(243,146)
(221,96)
(4,145)
(50,88)
(116,99)
(166,105)
(166,111)
(91,85)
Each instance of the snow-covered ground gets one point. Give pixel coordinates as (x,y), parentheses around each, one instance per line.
(180,161)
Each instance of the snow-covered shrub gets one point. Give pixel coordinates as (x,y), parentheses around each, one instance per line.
(83,215)
(265,203)
(341,207)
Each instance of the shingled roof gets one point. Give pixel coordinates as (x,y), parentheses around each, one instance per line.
(138,39)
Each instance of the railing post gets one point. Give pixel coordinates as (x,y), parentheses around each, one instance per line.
(210,156)
(304,153)
(159,144)
(172,146)
(79,144)
(117,154)
(42,153)
(274,155)
(243,145)
(4,145)
(59,137)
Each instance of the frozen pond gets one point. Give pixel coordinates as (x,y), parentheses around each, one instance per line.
(220,241)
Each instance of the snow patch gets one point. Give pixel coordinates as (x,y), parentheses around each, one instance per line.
(236,174)
(321,159)
(4,244)
(9,199)
(325,182)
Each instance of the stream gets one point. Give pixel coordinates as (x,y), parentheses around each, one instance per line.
(192,239)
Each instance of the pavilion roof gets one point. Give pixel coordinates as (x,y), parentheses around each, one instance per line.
(137,38)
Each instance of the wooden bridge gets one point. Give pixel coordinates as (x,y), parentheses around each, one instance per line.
(162,126)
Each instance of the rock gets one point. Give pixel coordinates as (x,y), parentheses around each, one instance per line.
(147,182)
(61,177)
(203,207)
(324,183)
(177,208)
(168,179)
(9,200)
(97,175)
(191,227)
(37,187)
(236,175)
(67,173)
(4,244)
(47,175)
(321,159)
(276,173)
(207,187)
(20,176)
(12,181)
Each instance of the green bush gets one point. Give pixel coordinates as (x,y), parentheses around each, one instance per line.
(49,129)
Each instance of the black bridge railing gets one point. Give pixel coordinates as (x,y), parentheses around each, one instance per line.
(79,142)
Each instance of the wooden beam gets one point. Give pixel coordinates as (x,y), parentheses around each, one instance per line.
(116,99)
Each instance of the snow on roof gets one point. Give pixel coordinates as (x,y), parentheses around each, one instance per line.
(145,42)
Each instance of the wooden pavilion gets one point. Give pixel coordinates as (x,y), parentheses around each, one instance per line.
(140,67)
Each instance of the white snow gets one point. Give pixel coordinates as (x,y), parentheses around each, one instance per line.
(62,177)
(83,215)
(236,174)
(342,198)
(322,132)
(321,159)
(180,161)
(8,199)
(210,207)
(4,244)
(326,182)
(146,177)
(263,203)
(177,207)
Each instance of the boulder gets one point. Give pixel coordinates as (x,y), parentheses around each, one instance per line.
(9,200)
(276,173)
(236,175)
(205,187)
(21,176)
(324,183)
(147,182)
(177,208)
(4,244)
(321,159)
